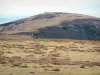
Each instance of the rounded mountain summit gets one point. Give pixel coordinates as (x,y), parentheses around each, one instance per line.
(54,25)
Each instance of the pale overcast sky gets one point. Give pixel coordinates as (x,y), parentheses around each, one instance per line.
(15,9)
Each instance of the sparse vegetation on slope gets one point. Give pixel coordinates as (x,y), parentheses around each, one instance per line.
(50,57)
(54,25)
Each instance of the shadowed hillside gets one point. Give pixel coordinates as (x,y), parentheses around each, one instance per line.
(54,25)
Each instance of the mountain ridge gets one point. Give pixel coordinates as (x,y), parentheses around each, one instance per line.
(55,25)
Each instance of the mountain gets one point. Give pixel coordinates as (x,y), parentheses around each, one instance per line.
(54,25)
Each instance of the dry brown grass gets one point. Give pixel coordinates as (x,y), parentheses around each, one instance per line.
(50,55)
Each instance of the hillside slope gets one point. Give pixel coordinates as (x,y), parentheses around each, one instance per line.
(55,25)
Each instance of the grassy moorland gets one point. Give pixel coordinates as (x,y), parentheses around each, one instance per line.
(49,57)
